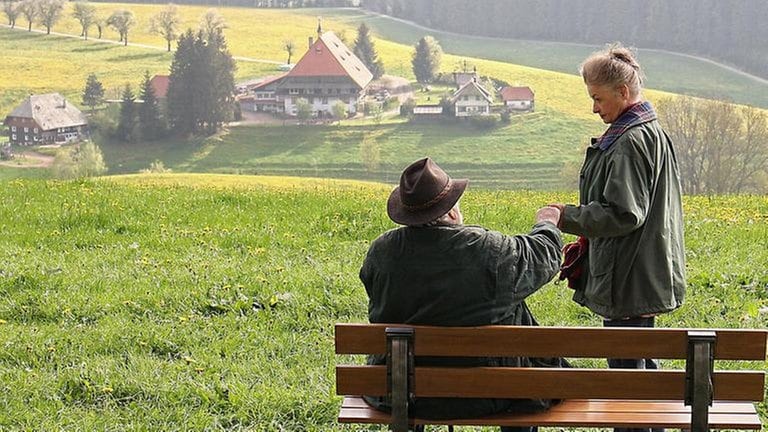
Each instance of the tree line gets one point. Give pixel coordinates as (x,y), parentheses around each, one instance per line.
(733,32)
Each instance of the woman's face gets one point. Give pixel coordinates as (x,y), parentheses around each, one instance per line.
(608,102)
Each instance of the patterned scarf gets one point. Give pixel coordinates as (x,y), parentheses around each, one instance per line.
(637,114)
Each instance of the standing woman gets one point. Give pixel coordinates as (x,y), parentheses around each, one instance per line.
(629,212)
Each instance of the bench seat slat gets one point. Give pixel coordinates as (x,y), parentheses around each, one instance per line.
(550,383)
(591,342)
(607,405)
(589,413)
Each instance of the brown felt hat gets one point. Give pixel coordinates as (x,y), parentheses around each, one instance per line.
(425,193)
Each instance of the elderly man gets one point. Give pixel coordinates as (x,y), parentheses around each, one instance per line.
(437,271)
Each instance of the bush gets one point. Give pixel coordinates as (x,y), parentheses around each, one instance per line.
(156,167)
(483,122)
(505,117)
(82,160)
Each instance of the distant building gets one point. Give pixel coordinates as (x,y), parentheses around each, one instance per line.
(159,85)
(472,99)
(461,78)
(45,119)
(327,73)
(518,98)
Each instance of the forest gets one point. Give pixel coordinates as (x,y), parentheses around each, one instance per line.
(731,32)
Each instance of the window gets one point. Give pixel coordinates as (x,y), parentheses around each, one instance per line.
(293,91)
(35,130)
(26,129)
(13,137)
(13,129)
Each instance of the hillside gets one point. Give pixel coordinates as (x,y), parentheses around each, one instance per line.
(541,150)
(201,302)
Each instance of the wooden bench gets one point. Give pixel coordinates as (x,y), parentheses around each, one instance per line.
(696,398)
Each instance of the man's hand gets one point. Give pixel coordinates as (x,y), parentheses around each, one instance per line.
(549,214)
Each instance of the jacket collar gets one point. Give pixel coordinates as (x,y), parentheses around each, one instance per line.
(637,114)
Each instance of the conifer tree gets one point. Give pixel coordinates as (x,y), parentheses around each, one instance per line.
(366,51)
(426,59)
(201,86)
(126,127)
(93,94)
(149,111)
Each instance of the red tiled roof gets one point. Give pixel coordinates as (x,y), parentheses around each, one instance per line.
(159,85)
(516,93)
(328,56)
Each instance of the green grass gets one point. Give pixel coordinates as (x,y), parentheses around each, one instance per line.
(669,72)
(141,304)
(530,153)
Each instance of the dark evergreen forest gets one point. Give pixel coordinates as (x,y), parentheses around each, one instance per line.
(729,31)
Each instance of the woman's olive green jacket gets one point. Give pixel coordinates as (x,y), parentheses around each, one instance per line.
(631,212)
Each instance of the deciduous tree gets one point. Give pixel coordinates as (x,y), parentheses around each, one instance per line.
(28,8)
(50,12)
(83,160)
(85,14)
(211,22)
(12,11)
(166,23)
(289,46)
(721,148)
(93,94)
(366,51)
(426,59)
(122,21)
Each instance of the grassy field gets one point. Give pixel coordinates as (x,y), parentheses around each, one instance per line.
(530,153)
(207,302)
(666,71)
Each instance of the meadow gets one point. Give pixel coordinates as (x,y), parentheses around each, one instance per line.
(207,302)
(530,153)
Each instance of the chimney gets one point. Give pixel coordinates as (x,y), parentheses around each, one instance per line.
(311,41)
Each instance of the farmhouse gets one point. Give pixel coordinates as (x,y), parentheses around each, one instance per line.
(472,99)
(327,73)
(45,119)
(517,98)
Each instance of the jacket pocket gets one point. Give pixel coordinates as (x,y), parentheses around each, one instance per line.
(598,293)
(602,256)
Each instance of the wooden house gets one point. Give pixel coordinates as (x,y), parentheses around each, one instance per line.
(45,119)
(327,73)
(472,99)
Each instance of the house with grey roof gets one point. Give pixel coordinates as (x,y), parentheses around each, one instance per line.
(45,119)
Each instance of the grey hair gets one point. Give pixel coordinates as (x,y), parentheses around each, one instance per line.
(442,220)
(613,66)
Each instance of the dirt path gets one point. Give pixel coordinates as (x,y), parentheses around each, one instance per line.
(29,159)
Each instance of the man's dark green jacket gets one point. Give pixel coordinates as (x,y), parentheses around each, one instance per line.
(631,212)
(459,276)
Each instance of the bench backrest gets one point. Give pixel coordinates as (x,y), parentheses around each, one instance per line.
(698,347)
